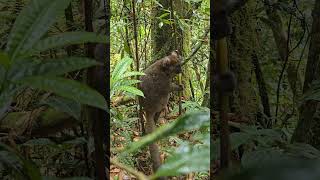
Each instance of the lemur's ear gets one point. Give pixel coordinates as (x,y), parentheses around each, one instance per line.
(175,53)
(171,60)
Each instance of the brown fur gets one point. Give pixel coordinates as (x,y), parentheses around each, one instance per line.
(156,86)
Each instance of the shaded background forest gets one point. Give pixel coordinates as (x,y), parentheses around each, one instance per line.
(274,52)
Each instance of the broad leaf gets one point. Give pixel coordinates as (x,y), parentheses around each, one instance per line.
(131,89)
(22,167)
(277,169)
(32,23)
(50,67)
(120,68)
(39,142)
(129,74)
(187,159)
(4,60)
(76,141)
(254,158)
(3,72)
(67,88)
(67,38)
(130,82)
(302,150)
(64,105)
(187,122)
(6,97)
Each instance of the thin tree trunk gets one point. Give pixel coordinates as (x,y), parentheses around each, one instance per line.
(262,90)
(96,79)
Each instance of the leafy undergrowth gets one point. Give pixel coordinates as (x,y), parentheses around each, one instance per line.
(182,146)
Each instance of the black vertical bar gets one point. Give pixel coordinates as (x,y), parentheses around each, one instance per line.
(211,56)
(107,119)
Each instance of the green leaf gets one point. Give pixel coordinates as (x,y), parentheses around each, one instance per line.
(254,158)
(187,159)
(76,141)
(64,105)
(67,88)
(130,82)
(134,73)
(67,38)
(5,60)
(302,150)
(120,68)
(50,67)
(131,89)
(3,72)
(158,3)
(191,121)
(31,169)
(65,65)
(11,161)
(14,161)
(32,23)
(6,97)
(239,138)
(39,142)
(164,15)
(277,169)
(187,122)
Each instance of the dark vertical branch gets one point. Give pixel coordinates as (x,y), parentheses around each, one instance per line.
(135,34)
(179,48)
(206,102)
(141,122)
(146,34)
(106,67)
(262,89)
(286,61)
(96,79)
(192,90)
(211,66)
(222,67)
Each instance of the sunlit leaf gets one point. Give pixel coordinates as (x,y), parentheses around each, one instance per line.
(130,89)
(120,69)
(187,159)
(187,122)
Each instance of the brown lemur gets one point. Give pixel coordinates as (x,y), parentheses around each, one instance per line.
(156,85)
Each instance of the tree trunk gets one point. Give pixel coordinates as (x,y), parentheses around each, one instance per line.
(308,128)
(242,44)
(162,40)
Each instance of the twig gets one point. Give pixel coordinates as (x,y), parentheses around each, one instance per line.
(137,174)
(195,49)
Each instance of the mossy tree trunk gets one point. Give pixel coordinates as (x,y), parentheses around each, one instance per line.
(167,37)
(242,45)
(308,128)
